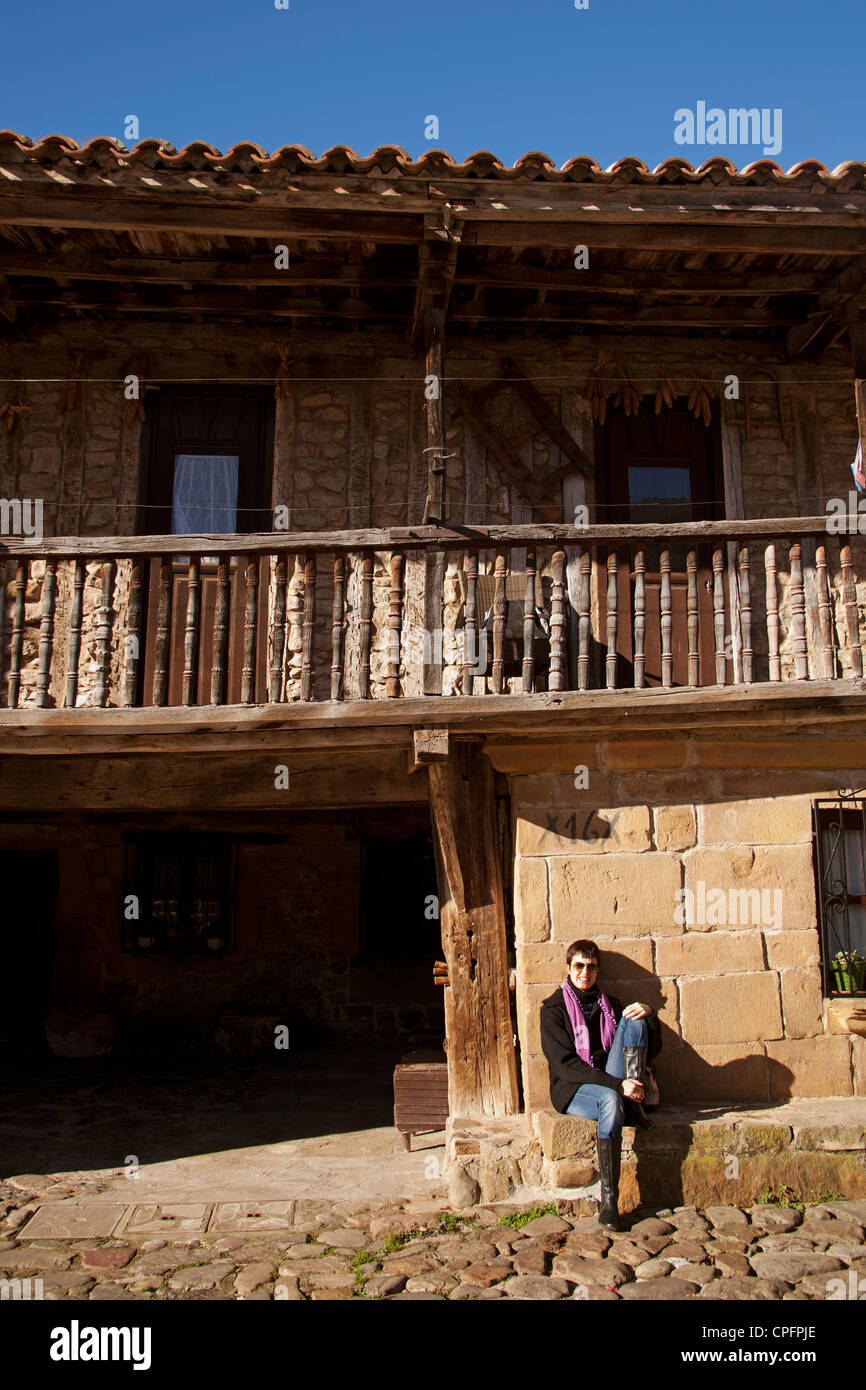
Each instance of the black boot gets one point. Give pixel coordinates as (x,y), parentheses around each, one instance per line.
(634,1059)
(609,1156)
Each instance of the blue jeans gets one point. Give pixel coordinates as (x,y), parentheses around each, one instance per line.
(600,1102)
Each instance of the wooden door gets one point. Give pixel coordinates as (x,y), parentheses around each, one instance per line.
(660,469)
(208,471)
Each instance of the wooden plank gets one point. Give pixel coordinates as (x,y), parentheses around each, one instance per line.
(69,733)
(412,538)
(482,1071)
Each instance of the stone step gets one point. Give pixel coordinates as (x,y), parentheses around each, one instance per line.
(706,1154)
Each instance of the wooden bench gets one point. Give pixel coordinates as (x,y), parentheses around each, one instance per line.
(420,1095)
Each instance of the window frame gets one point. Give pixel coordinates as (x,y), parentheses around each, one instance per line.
(142,849)
(833,893)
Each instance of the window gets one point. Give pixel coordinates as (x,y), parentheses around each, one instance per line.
(839,838)
(182,887)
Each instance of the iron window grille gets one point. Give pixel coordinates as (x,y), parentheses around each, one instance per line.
(839,843)
(180,894)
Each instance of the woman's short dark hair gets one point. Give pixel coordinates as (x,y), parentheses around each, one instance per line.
(583,948)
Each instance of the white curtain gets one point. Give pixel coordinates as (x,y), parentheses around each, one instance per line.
(205,495)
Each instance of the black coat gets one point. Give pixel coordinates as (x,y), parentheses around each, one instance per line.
(567,1070)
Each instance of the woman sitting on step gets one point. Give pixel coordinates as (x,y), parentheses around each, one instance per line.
(596,1052)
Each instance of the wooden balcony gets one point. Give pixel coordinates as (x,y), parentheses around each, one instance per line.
(355,618)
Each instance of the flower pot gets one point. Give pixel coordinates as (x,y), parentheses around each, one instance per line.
(849,975)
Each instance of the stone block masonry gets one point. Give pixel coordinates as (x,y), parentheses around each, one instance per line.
(669,825)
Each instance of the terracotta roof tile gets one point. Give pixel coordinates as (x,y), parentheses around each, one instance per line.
(391,161)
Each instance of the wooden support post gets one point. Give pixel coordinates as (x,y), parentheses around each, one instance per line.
(434,587)
(482,1069)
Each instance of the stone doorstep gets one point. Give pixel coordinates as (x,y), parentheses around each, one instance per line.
(704,1155)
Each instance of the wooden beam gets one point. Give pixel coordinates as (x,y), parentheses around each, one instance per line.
(124,210)
(185,731)
(547,418)
(227,301)
(437,263)
(646,234)
(482,1069)
(434,565)
(80,264)
(512,465)
(409,537)
(629,283)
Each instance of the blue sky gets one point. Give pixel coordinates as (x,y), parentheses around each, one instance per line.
(499,75)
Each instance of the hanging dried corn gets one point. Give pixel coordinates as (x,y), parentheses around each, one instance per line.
(9,414)
(666,394)
(628,396)
(599,388)
(699,400)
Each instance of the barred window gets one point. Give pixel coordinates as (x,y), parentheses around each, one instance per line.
(179,893)
(839,840)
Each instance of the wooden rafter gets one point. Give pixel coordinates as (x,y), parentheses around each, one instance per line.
(839,304)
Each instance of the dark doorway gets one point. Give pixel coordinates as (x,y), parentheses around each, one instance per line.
(661,469)
(207,461)
(29,879)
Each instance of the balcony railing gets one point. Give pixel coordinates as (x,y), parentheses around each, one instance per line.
(345,616)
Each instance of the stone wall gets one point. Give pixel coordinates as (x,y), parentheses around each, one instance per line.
(737,988)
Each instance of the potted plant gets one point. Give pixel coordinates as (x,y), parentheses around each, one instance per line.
(849,968)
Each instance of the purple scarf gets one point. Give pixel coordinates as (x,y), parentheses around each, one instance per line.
(578,1022)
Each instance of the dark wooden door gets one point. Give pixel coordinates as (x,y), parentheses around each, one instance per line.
(660,469)
(208,471)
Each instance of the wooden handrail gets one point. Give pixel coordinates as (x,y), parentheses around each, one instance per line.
(413,538)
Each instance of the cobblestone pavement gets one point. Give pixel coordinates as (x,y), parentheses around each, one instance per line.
(420,1250)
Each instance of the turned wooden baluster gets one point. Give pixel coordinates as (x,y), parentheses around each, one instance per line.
(75,634)
(849,599)
(612,598)
(308,630)
(251,618)
(162,648)
(17,633)
(798,613)
(133,633)
(470,625)
(192,631)
(366,633)
(278,632)
(338,610)
(746,613)
(772,604)
(719,613)
(825,614)
(692,620)
(46,634)
(220,635)
(666,619)
(395,624)
(103,635)
(639,619)
(558,622)
(583,625)
(500,610)
(528,668)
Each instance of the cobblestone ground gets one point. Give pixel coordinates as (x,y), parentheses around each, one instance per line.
(422,1251)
